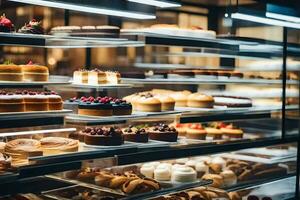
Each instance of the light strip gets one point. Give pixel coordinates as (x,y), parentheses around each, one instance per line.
(88,9)
(283,17)
(264,20)
(157,3)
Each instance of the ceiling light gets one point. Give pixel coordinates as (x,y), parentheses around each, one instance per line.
(158,3)
(89,8)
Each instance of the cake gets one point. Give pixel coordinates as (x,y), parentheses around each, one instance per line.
(109,31)
(35,101)
(6,25)
(167,103)
(232,131)
(103,136)
(33,72)
(54,100)
(162,172)
(200,100)
(96,77)
(163,132)
(135,134)
(195,131)
(33,27)
(113,77)
(56,145)
(95,107)
(184,174)
(11,72)
(180,98)
(147,103)
(232,101)
(201,169)
(10,102)
(80,76)
(121,107)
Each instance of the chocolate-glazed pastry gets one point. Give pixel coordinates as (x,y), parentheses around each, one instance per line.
(95,106)
(5,24)
(136,134)
(163,132)
(33,27)
(103,136)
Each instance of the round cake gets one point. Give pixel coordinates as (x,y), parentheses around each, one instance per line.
(54,100)
(35,101)
(5,24)
(148,103)
(196,131)
(180,99)
(184,174)
(33,72)
(11,102)
(163,132)
(232,131)
(135,134)
(167,103)
(95,107)
(121,107)
(103,136)
(56,145)
(199,100)
(11,72)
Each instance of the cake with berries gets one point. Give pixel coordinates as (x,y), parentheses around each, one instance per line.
(136,134)
(103,136)
(163,132)
(10,102)
(121,107)
(34,72)
(99,106)
(196,131)
(6,25)
(55,101)
(11,72)
(35,101)
(33,27)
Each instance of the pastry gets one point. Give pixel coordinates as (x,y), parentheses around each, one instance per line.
(199,100)
(180,128)
(80,76)
(11,102)
(162,173)
(136,186)
(195,131)
(232,131)
(54,100)
(148,103)
(33,27)
(135,134)
(215,133)
(33,72)
(180,98)
(217,180)
(234,196)
(5,162)
(167,103)
(184,174)
(96,77)
(232,101)
(11,72)
(109,31)
(95,107)
(56,145)
(201,169)
(103,136)
(6,25)
(35,101)
(229,178)
(147,170)
(163,132)
(87,175)
(121,107)
(113,77)
(216,165)
(191,163)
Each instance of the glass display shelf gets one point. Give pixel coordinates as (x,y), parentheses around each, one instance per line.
(53,41)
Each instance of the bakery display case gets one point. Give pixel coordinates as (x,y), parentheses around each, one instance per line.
(160,99)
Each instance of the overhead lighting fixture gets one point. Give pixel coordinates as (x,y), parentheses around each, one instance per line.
(104,7)
(159,3)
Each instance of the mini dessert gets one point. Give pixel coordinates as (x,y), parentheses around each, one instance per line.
(180,128)
(33,27)
(10,102)
(182,161)
(5,162)
(80,76)
(201,169)
(103,136)
(96,77)
(196,131)
(232,131)
(21,149)
(148,103)
(135,134)
(121,107)
(184,174)
(56,145)
(180,98)
(216,165)
(113,77)
(11,72)
(232,101)
(147,170)
(54,100)
(181,74)
(199,100)
(163,132)
(217,180)
(35,101)
(167,103)
(33,72)
(95,107)
(6,25)
(229,178)
(162,173)
(213,130)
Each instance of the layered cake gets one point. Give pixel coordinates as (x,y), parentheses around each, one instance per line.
(96,77)
(33,27)
(54,100)
(196,131)
(232,101)
(6,25)
(10,102)
(163,132)
(136,134)
(56,145)
(113,77)
(223,75)
(33,72)
(103,136)
(80,76)
(11,72)
(35,101)
(121,107)
(200,100)
(95,106)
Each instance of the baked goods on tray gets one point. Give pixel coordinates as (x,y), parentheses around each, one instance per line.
(6,25)
(33,27)
(136,134)
(163,132)
(103,136)
(96,77)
